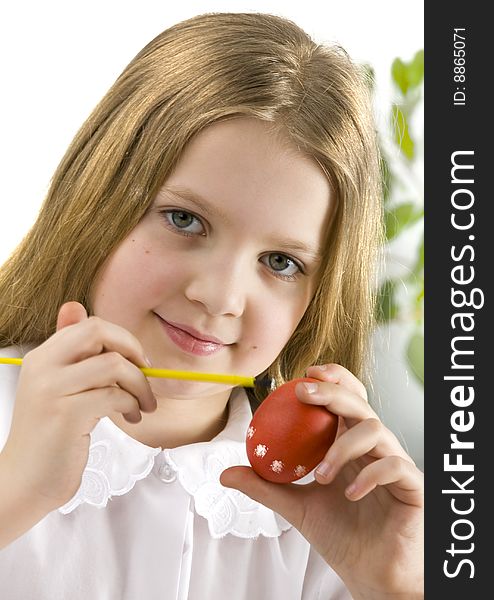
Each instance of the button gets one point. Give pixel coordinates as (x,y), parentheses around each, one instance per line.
(167,473)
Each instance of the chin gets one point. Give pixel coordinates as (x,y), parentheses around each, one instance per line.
(178,388)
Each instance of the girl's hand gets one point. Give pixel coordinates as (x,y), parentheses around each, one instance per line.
(364,515)
(87,370)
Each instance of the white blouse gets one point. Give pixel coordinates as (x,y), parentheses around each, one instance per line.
(157,524)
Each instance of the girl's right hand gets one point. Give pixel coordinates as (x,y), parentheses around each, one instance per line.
(87,370)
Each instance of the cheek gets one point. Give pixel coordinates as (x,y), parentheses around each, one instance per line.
(133,274)
(276,323)
(268,336)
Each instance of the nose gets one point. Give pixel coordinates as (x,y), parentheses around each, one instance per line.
(221,287)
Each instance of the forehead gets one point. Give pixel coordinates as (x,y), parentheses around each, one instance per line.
(250,174)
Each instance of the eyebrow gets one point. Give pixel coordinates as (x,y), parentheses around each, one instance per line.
(196,199)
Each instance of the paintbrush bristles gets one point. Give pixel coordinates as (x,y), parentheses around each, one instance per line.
(265,384)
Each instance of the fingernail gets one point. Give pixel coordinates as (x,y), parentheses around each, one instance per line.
(148,362)
(351,489)
(324,470)
(311,387)
(322,367)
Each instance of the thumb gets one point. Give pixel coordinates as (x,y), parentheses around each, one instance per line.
(282,498)
(70,313)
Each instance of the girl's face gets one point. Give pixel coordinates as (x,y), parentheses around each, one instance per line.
(220,270)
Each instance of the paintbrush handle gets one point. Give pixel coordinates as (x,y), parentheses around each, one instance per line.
(171,374)
(192,376)
(10,361)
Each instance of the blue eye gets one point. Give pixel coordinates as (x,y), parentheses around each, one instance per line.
(283,266)
(183,222)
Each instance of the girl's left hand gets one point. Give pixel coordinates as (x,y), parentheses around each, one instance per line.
(365,516)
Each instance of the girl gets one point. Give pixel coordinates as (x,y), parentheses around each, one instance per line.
(219,211)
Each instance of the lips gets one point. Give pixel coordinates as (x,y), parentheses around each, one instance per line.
(191,331)
(190,340)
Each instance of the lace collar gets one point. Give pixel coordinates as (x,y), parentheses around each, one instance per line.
(117,462)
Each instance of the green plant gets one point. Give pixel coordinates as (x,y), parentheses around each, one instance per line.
(401,297)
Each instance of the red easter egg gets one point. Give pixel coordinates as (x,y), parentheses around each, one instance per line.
(287,438)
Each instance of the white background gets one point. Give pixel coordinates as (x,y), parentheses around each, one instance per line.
(58,59)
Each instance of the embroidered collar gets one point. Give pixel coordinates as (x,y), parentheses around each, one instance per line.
(117,462)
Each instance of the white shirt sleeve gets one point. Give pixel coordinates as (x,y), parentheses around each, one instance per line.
(321,582)
(8,384)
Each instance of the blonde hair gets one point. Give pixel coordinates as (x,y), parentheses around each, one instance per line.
(202,70)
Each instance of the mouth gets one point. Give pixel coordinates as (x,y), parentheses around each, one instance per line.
(191,341)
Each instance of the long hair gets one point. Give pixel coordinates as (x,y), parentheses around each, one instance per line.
(209,68)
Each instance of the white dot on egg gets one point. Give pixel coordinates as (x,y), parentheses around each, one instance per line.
(261,450)
(277,466)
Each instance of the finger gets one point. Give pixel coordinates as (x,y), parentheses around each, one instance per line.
(367,437)
(91,337)
(402,479)
(70,313)
(104,370)
(279,498)
(337,399)
(92,405)
(334,373)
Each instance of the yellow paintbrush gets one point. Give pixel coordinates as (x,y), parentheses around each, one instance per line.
(264,382)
